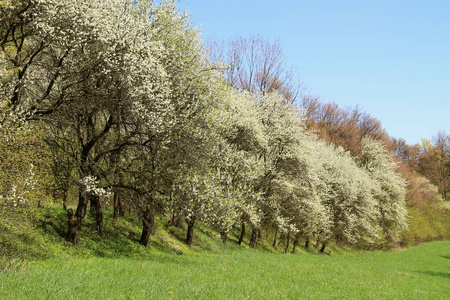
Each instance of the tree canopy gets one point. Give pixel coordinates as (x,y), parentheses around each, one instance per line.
(132,107)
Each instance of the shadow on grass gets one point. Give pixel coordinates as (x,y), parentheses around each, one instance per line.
(446,256)
(439,274)
(53,223)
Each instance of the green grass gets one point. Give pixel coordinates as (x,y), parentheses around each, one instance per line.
(421,272)
(36,263)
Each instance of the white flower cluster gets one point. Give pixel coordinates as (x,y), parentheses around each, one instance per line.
(90,184)
(20,194)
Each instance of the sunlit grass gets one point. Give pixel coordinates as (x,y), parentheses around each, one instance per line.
(421,272)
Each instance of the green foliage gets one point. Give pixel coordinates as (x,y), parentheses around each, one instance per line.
(429,217)
(25,173)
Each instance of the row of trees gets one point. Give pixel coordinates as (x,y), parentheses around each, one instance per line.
(431,159)
(132,109)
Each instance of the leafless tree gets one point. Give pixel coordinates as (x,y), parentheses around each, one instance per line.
(441,144)
(256,65)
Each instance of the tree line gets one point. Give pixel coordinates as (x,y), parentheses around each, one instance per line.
(122,100)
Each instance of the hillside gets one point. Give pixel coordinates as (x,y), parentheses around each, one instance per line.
(37,234)
(117,267)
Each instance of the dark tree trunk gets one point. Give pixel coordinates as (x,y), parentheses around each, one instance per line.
(148,226)
(121,208)
(76,220)
(275,237)
(317,244)
(307,243)
(260,236)
(323,247)
(241,236)
(177,220)
(72,235)
(253,238)
(86,147)
(97,209)
(190,230)
(173,219)
(294,245)
(116,206)
(281,238)
(287,243)
(223,237)
(91,206)
(64,199)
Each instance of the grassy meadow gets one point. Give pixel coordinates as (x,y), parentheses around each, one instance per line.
(421,272)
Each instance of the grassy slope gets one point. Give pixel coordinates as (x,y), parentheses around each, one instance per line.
(116,267)
(418,273)
(36,234)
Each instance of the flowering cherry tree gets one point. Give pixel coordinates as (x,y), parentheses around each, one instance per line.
(391,187)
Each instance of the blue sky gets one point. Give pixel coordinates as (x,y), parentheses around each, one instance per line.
(391,58)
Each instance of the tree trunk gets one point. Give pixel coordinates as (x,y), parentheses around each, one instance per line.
(323,247)
(287,243)
(190,230)
(71,235)
(120,201)
(223,237)
(294,245)
(116,205)
(91,206)
(260,236)
(317,245)
(65,199)
(121,208)
(307,243)
(75,221)
(281,238)
(275,238)
(177,220)
(241,236)
(148,226)
(96,207)
(253,238)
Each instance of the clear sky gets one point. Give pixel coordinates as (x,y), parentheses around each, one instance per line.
(391,58)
